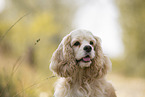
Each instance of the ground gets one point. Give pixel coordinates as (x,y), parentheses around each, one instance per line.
(124,86)
(127,86)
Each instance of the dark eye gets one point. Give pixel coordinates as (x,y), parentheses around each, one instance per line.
(77,43)
(91,43)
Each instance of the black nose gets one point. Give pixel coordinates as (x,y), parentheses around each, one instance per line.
(88,48)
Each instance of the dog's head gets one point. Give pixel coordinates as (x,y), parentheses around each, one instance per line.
(80,50)
(83,44)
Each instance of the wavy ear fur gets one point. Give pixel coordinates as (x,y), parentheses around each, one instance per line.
(100,64)
(63,62)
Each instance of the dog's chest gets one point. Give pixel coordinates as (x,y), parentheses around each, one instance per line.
(67,89)
(85,90)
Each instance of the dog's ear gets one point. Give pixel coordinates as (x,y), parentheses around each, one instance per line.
(63,61)
(101,63)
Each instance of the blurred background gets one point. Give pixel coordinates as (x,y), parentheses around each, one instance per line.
(31,30)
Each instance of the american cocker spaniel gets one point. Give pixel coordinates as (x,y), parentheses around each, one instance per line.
(81,65)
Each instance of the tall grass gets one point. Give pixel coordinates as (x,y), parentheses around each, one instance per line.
(18,79)
(22,81)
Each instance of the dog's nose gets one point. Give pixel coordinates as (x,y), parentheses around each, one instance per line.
(88,48)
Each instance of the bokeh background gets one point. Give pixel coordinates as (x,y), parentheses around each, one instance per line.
(31,30)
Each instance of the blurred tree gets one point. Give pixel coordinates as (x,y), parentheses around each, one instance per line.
(48,21)
(132,18)
(33,38)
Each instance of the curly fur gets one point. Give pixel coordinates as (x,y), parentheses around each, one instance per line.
(76,81)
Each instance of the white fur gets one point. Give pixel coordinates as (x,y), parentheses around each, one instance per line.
(81,79)
(84,37)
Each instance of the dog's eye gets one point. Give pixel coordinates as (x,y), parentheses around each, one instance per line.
(91,43)
(77,43)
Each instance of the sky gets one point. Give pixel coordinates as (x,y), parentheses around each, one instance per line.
(101,18)
(2,4)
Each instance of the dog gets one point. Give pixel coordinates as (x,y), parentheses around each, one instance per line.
(81,66)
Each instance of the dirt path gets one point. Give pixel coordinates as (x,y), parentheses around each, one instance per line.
(127,87)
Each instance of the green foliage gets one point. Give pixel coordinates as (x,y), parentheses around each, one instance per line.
(5,87)
(33,39)
(132,19)
(10,87)
(47,22)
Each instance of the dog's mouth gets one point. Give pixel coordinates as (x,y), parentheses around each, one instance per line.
(85,59)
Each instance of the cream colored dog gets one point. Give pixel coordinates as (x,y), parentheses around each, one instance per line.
(81,65)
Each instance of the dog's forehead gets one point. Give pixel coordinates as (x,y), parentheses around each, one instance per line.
(81,34)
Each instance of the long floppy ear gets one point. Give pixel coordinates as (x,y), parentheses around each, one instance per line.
(100,64)
(63,62)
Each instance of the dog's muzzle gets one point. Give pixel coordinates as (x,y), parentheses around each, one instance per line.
(85,59)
